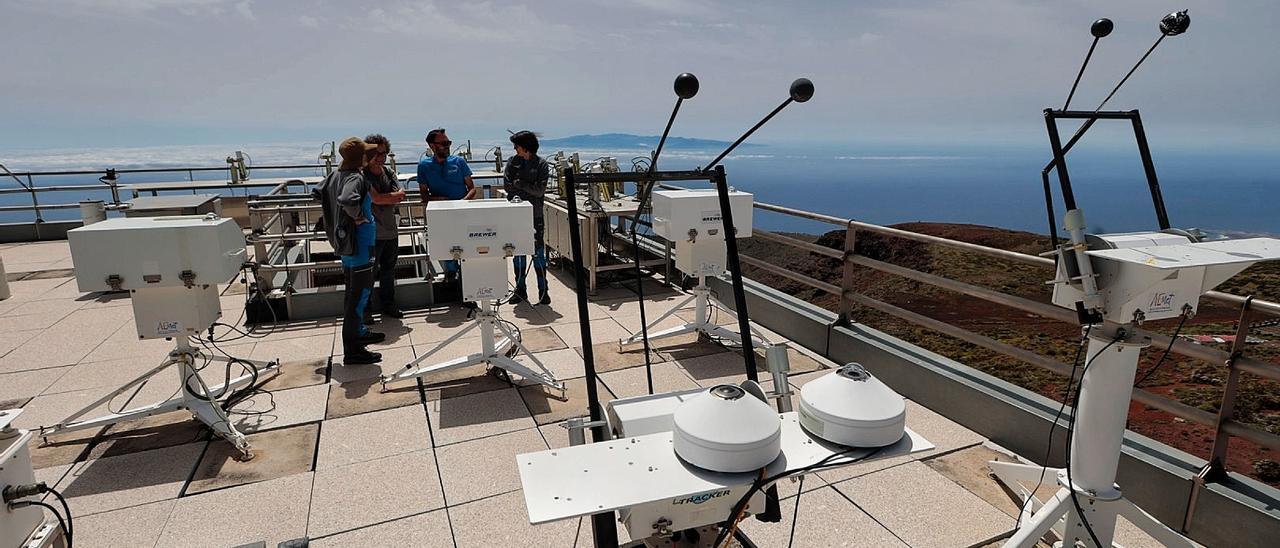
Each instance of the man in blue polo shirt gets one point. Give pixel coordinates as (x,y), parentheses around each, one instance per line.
(443,176)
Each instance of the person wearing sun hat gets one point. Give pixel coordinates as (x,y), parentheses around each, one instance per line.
(350,228)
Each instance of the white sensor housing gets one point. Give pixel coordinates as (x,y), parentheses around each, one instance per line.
(851,407)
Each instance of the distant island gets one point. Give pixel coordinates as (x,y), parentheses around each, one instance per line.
(627,141)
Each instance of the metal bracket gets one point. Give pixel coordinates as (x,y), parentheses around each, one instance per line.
(188,278)
(115,282)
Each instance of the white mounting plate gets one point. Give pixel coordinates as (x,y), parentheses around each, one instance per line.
(7,417)
(627,472)
(1202,254)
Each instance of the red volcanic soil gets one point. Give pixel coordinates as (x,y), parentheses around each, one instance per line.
(1192,382)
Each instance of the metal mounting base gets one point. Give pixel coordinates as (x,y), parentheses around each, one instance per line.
(1058,514)
(701,297)
(208,411)
(495,351)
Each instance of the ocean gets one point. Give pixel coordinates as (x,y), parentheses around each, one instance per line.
(1230,192)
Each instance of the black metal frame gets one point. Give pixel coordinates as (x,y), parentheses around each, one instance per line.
(603,528)
(1059,162)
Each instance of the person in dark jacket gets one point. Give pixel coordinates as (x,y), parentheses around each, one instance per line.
(350,228)
(526,177)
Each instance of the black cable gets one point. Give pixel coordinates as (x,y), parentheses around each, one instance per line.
(1053,426)
(1071,428)
(760,483)
(61,522)
(1167,350)
(71,526)
(795,514)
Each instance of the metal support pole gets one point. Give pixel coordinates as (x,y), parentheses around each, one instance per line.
(735,269)
(603,526)
(1149,167)
(846,277)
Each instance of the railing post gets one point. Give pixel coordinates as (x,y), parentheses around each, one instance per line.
(259,248)
(846,278)
(1216,469)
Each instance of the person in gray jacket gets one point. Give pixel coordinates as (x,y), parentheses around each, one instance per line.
(350,228)
(526,177)
(386,194)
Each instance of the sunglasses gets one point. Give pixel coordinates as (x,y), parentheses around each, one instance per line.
(444,143)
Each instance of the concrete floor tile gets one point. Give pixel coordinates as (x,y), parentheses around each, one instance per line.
(467,478)
(107,374)
(124,528)
(667,377)
(276,454)
(603,330)
(50,409)
(428,530)
(105,484)
(541,339)
(371,436)
(393,360)
(434,325)
(896,497)
(364,396)
(11,339)
(52,475)
(148,433)
(556,435)
(281,408)
(826,519)
(311,347)
(271,511)
(565,364)
(470,380)
(543,401)
(375,491)
(609,356)
(475,416)
(125,344)
(719,366)
(28,384)
(37,314)
(29,290)
(687,346)
(798,362)
(61,449)
(473,525)
(297,374)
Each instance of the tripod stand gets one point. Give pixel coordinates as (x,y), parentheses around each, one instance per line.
(494,351)
(700,295)
(202,400)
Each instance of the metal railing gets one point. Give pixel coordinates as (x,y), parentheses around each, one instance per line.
(29,183)
(1223,422)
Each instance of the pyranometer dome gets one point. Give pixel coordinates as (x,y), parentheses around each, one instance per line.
(851,407)
(727,429)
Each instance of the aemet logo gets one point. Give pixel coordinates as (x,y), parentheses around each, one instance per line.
(1161,301)
(701,498)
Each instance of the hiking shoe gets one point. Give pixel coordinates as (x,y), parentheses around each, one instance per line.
(518,296)
(392,311)
(543,297)
(371,337)
(361,357)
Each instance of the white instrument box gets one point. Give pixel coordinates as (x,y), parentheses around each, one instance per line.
(681,215)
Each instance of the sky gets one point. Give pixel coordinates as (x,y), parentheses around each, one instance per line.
(128,73)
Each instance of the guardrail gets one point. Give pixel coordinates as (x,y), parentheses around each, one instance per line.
(1223,423)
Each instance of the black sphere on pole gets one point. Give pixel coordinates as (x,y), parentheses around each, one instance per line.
(1102,28)
(686,85)
(801,90)
(1175,23)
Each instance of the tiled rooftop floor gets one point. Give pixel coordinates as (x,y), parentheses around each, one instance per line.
(345,464)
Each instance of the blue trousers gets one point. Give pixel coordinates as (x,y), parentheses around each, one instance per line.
(358,271)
